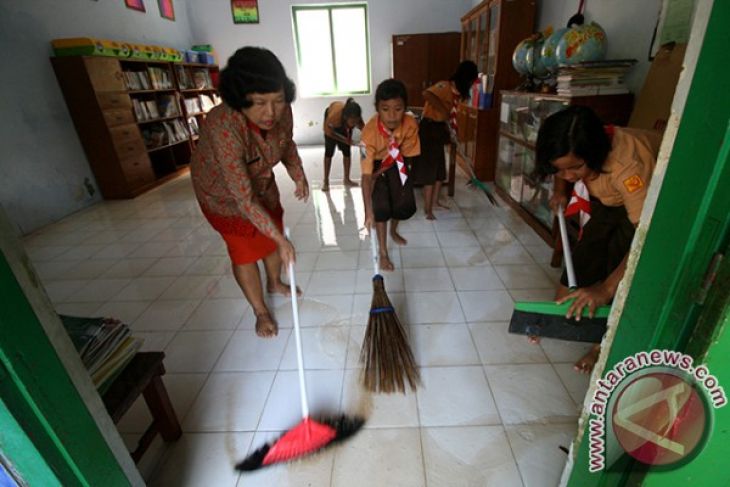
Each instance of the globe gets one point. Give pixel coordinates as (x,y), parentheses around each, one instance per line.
(582,43)
(519,57)
(549,48)
(534,61)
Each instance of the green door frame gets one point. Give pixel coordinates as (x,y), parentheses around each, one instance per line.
(48,400)
(658,308)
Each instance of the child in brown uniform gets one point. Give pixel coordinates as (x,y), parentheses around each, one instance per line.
(437,123)
(616,165)
(339,120)
(390,140)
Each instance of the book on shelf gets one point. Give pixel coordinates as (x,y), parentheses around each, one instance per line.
(159,77)
(167,105)
(192,105)
(183,78)
(136,80)
(104,345)
(152,109)
(201,79)
(193,125)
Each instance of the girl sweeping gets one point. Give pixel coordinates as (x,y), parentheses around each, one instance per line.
(611,168)
(437,123)
(390,140)
(339,120)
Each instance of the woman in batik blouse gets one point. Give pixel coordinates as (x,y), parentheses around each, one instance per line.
(232,172)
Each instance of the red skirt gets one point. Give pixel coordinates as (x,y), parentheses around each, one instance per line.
(245,243)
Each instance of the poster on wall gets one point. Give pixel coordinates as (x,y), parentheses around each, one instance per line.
(166,9)
(135,5)
(245,11)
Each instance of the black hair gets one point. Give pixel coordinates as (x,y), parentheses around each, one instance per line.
(253,70)
(389,90)
(576,130)
(351,110)
(464,77)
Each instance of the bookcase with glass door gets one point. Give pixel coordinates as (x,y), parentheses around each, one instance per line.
(489,34)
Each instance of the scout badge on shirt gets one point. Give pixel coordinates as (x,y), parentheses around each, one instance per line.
(580,204)
(394,156)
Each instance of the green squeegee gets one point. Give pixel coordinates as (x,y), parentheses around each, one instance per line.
(547,319)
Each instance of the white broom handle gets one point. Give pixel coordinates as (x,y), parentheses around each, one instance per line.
(297,335)
(566,248)
(374,248)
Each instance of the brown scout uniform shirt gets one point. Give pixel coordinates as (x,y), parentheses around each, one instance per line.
(627,170)
(442,90)
(376,144)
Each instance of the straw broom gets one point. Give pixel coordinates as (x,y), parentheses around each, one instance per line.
(386,353)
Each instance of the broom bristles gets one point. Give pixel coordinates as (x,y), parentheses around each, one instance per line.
(386,353)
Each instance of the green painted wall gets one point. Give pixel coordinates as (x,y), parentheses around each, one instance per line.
(39,395)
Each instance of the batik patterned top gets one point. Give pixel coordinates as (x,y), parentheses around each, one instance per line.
(232,170)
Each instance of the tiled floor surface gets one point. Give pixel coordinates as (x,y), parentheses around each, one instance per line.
(493,410)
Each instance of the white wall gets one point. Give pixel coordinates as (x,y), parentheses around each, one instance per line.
(629,25)
(212,24)
(42,164)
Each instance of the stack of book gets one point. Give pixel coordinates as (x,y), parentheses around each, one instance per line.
(105,346)
(594,78)
(160,78)
(164,133)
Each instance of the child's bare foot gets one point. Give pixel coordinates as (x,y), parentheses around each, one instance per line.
(588,361)
(384,263)
(533,339)
(430,216)
(266,326)
(281,288)
(397,238)
(350,184)
(443,205)
(325,187)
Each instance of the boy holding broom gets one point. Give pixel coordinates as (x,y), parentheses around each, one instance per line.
(390,139)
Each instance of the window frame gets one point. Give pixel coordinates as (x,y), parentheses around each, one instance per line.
(329,7)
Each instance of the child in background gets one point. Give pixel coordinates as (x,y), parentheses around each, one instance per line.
(339,120)
(439,120)
(391,141)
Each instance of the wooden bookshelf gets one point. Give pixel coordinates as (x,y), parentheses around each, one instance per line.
(134,128)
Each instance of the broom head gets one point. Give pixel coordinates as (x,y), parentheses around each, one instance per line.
(547,319)
(305,438)
(386,353)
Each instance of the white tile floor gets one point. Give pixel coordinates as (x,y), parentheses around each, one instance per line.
(493,410)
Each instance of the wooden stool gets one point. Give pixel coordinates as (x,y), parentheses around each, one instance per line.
(143,376)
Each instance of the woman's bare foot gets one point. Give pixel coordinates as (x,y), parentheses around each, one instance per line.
(588,361)
(350,184)
(384,263)
(266,326)
(281,288)
(397,238)
(443,205)
(533,339)
(430,216)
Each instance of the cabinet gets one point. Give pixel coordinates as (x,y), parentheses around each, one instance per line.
(132,119)
(420,60)
(521,115)
(489,34)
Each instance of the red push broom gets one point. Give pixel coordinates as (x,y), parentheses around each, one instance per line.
(309,435)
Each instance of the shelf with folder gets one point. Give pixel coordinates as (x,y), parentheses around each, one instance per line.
(163,119)
(153,149)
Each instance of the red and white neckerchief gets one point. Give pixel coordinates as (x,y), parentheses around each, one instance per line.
(453,124)
(579,204)
(394,156)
